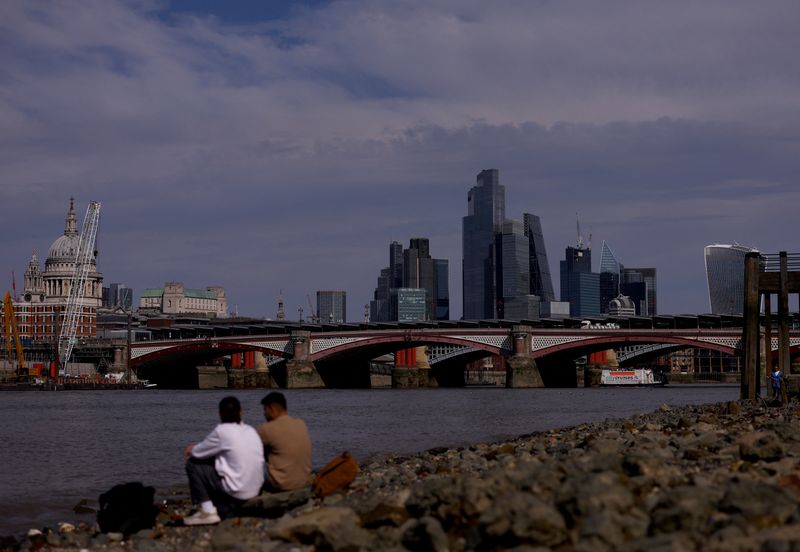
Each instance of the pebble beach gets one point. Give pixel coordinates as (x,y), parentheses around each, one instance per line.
(715,477)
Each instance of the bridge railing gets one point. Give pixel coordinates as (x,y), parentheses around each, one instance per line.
(771,262)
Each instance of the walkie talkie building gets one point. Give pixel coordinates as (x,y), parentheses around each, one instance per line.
(725,273)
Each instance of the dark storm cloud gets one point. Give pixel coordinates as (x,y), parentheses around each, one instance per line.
(286,154)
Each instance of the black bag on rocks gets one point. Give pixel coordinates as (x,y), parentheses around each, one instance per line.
(127,508)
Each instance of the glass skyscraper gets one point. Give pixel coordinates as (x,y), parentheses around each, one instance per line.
(410,269)
(580,287)
(541,281)
(725,274)
(631,278)
(332,306)
(486,212)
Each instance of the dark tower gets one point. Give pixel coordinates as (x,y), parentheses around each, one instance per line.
(484,220)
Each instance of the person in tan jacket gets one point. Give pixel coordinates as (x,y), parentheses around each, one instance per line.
(287,446)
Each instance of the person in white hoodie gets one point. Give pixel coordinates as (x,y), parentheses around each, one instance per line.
(226,468)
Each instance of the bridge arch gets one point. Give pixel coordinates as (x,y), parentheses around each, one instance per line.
(378,345)
(157,352)
(603,342)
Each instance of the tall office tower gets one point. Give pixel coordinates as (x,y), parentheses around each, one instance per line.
(541,281)
(412,268)
(396,264)
(419,272)
(117,295)
(725,274)
(580,287)
(641,286)
(513,275)
(486,213)
(379,306)
(610,269)
(332,306)
(442,270)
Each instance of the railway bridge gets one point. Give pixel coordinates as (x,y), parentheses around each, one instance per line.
(315,356)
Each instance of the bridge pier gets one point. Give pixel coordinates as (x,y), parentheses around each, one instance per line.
(522,372)
(300,370)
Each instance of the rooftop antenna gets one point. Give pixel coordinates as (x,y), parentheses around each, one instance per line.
(590,240)
(580,238)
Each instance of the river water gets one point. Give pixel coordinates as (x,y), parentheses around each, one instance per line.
(57,448)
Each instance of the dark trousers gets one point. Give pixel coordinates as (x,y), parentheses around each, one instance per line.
(206,484)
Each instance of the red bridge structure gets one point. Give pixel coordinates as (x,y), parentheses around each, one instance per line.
(537,353)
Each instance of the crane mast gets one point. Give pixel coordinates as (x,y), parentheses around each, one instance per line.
(77,290)
(13,342)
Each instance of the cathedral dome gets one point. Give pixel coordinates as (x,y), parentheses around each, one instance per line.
(64,248)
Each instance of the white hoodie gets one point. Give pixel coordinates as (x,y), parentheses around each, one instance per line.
(238,458)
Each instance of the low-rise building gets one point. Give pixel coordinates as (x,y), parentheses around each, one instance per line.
(175,298)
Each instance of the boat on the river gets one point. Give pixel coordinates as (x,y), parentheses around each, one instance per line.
(638,377)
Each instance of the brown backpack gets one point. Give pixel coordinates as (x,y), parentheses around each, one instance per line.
(335,475)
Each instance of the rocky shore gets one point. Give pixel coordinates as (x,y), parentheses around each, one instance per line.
(715,477)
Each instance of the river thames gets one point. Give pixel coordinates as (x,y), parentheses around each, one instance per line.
(61,447)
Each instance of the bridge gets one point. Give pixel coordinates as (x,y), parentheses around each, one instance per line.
(536,353)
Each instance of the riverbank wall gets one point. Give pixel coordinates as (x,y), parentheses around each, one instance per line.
(716,477)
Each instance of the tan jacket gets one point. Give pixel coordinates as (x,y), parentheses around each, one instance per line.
(287,447)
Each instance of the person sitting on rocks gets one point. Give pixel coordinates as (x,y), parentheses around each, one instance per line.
(287,446)
(226,468)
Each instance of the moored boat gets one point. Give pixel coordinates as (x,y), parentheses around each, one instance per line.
(637,377)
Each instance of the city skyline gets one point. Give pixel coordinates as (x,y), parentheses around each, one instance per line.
(280,148)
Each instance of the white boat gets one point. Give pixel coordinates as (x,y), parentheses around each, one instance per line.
(629,377)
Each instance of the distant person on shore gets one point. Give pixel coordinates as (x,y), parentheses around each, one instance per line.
(226,468)
(778,387)
(287,446)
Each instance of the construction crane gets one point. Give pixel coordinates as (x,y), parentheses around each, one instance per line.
(13,342)
(314,318)
(77,290)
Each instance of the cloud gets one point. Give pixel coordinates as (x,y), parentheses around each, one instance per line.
(287,154)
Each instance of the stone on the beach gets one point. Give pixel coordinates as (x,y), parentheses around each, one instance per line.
(685,508)
(760,504)
(592,493)
(609,530)
(761,445)
(276,504)
(520,517)
(334,528)
(424,535)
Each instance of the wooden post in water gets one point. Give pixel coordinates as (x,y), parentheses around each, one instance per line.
(783,316)
(751,331)
(767,340)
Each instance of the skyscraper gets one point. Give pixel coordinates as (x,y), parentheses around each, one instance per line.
(411,269)
(332,306)
(541,282)
(610,269)
(646,276)
(419,272)
(514,279)
(485,216)
(725,274)
(580,287)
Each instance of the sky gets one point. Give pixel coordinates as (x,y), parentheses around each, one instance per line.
(273,147)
